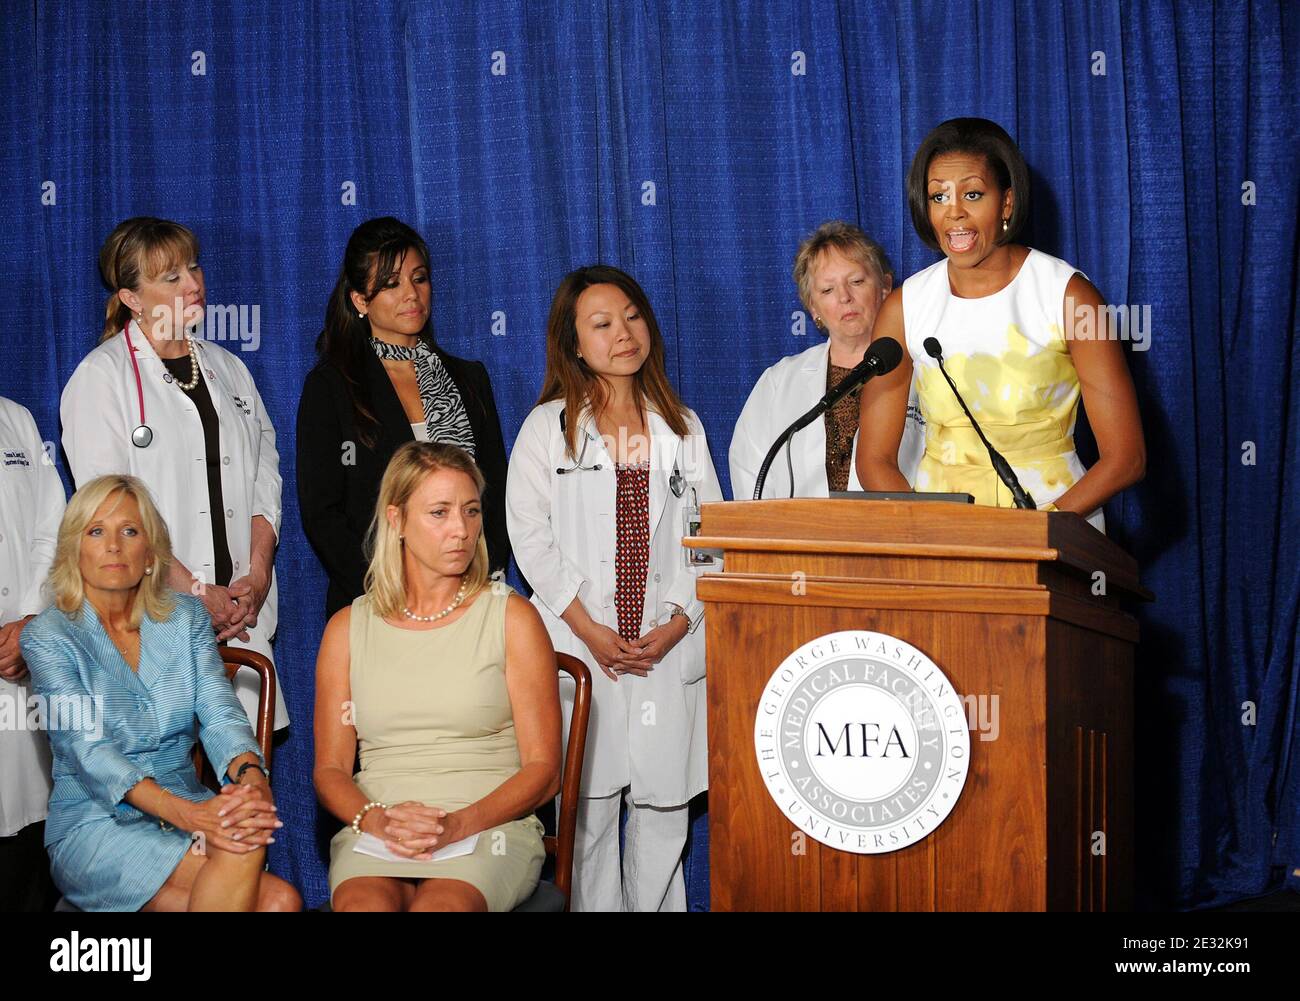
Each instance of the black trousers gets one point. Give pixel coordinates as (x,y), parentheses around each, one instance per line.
(25,883)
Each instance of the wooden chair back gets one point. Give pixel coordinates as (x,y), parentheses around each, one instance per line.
(566,822)
(233,658)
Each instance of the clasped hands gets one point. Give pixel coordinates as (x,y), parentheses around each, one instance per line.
(617,656)
(241,819)
(234,609)
(413,830)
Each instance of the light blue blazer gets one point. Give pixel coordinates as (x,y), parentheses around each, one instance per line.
(110,727)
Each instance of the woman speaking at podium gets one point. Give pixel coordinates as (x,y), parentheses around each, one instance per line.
(1020,333)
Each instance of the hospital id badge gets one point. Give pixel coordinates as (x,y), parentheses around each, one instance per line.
(695,558)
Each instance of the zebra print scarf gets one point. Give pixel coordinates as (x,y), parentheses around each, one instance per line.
(444,410)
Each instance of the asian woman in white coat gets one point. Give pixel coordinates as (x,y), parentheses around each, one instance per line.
(157,401)
(31,507)
(843,276)
(602,478)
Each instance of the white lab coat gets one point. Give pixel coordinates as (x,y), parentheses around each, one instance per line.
(100,409)
(646,733)
(783,393)
(31,508)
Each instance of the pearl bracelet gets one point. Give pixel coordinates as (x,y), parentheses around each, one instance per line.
(356,821)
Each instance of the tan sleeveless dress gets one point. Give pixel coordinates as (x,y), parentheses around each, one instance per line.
(434,725)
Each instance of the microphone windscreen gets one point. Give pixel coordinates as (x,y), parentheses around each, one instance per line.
(932,347)
(887,353)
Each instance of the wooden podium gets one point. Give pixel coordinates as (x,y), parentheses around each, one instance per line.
(1021,605)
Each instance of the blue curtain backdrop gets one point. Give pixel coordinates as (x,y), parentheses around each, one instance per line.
(694,144)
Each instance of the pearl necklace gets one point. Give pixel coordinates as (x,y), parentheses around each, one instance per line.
(194,368)
(456,603)
(194,361)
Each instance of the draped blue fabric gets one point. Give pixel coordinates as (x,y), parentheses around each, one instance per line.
(694,144)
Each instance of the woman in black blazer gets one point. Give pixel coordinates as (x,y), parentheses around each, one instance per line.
(381,381)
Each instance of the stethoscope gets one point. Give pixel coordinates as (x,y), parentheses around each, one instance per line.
(676,482)
(577,467)
(142,436)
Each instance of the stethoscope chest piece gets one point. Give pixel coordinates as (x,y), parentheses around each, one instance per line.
(142,436)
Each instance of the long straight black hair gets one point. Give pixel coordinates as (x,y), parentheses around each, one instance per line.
(375,252)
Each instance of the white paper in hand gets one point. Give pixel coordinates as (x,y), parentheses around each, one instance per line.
(370,845)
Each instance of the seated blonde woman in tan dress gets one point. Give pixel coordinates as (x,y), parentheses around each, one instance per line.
(446,682)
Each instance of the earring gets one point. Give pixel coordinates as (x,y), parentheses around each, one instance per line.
(148,571)
(817,322)
(1004,225)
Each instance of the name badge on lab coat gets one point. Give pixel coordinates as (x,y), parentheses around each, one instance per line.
(690,527)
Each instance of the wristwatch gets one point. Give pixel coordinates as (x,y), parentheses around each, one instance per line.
(251,764)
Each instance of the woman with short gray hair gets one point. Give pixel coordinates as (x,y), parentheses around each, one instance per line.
(842,276)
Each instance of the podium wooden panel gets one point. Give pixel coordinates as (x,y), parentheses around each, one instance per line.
(1003,601)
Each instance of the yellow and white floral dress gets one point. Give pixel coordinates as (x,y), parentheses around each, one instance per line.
(1008,355)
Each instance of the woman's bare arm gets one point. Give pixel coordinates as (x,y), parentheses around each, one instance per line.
(1110,400)
(882,411)
(533,685)
(336,736)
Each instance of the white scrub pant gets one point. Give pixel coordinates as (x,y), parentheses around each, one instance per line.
(650,877)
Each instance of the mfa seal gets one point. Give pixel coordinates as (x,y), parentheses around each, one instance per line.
(862,741)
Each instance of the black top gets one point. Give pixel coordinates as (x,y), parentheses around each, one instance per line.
(181,370)
(337,499)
